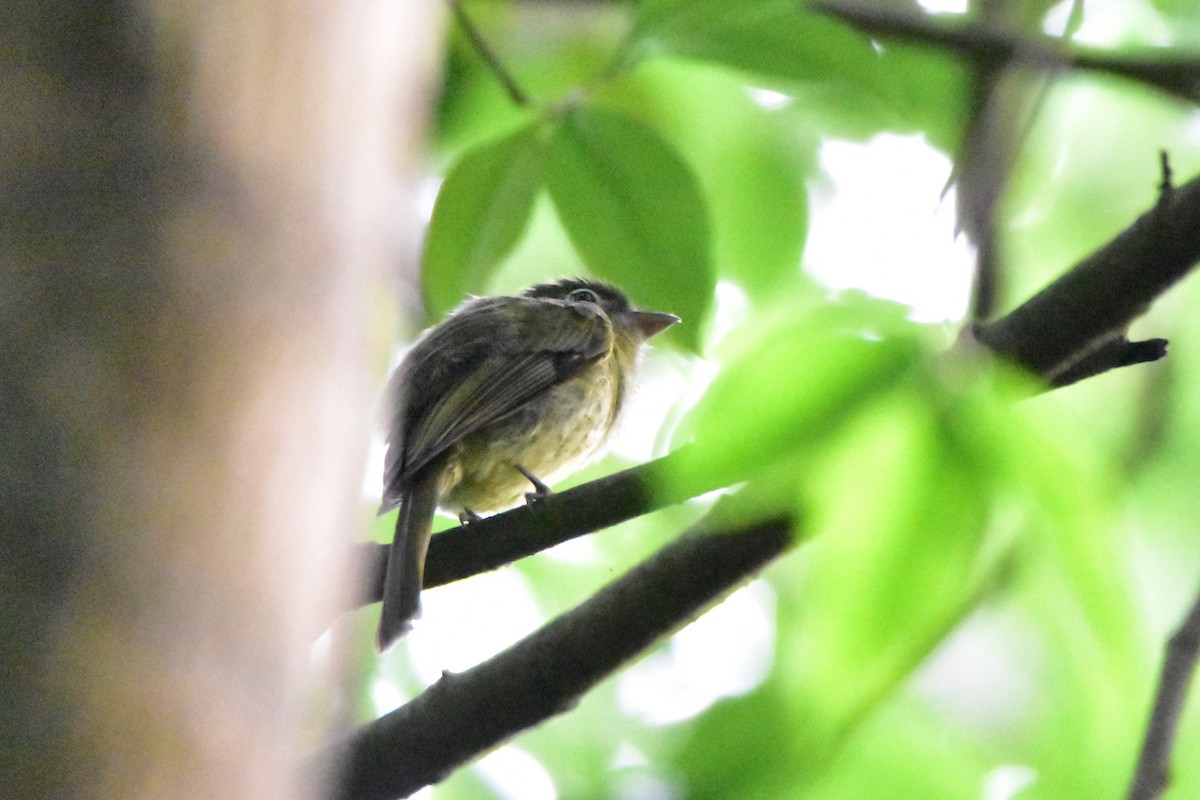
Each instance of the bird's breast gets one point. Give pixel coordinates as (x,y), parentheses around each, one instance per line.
(552,436)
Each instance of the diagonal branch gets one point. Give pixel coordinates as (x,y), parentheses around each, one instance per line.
(495,541)
(546,673)
(1095,302)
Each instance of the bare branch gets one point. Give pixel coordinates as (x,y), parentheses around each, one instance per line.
(1098,298)
(1151,778)
(546,673)
(494,541)
(1166,71)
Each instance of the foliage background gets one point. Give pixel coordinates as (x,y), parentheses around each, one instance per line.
(981,607)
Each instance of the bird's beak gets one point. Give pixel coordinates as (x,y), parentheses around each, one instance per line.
(651,322)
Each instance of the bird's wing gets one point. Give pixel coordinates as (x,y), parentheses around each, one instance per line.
(480,365)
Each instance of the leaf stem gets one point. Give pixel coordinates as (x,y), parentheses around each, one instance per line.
(510,85)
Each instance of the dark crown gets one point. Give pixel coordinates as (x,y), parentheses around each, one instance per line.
(611,298)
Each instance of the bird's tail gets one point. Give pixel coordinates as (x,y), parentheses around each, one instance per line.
(406,560)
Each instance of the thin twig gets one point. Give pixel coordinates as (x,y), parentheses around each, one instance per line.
(1112,354)
(511,87)
(1152,776)
(1166,186)
(1169,72)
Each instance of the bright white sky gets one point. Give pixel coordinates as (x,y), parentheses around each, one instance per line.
(881,224)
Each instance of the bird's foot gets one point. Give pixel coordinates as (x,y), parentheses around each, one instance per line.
(540,490)
(467,516)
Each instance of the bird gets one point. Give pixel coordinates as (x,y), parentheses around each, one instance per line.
(504,393)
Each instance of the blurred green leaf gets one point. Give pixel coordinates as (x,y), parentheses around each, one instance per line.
(760,196)
(788,383)
(927,91)
(726,758)
(899,558)
(754,172)
(481,211)
(635,212)
(773,38)
(905,751)
(473,107)
(1075,586)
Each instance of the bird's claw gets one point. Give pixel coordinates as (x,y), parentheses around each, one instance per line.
(540,490)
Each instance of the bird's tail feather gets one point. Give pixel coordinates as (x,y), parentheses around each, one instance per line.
(406,560)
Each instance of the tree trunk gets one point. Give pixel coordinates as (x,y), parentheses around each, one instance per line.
(196,207)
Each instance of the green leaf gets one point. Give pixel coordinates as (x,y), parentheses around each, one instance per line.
(844,82)
(928,91)
(760,202)
(634,211)
(481,212)
(791,382)
(899,559)
(774,38)
(752,167)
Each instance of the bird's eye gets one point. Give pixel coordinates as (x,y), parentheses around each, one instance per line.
(583,296)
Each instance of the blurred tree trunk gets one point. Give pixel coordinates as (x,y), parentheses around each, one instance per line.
(197,203)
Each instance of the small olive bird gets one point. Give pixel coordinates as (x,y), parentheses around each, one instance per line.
(504,392)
